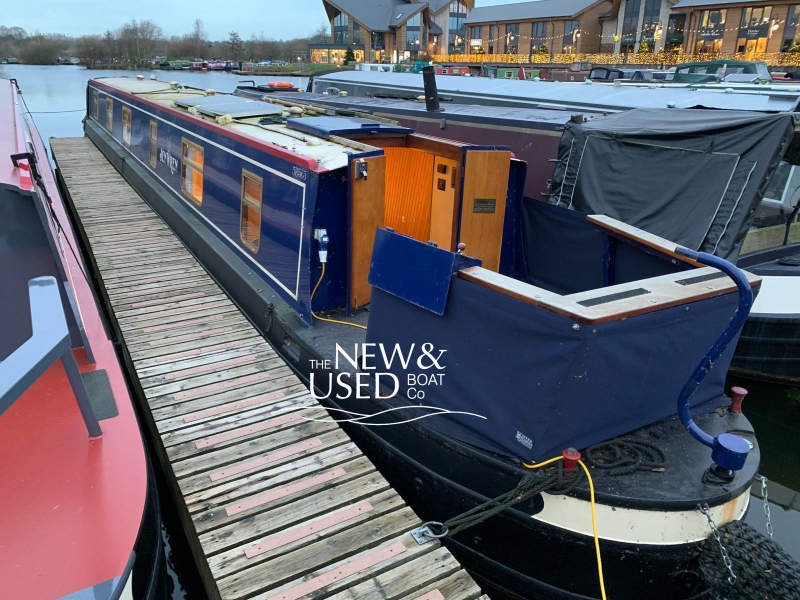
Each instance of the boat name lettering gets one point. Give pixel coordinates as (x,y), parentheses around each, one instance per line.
(299,173)
(169,160)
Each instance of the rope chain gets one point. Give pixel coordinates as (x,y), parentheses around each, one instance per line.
(704,508)
(765,497)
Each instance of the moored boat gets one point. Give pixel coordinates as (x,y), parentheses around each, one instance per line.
(313,223)
(765,222)
(80,507)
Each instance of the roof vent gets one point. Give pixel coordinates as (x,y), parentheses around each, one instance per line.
(173,85)
(728,90)
(140,77)
(210,92)
(671,104)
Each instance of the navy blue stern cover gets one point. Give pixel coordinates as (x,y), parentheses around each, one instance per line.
(542,384)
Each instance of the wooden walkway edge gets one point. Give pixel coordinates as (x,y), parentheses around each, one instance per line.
(277,502)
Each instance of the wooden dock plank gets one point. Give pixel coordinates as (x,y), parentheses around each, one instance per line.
(277,501)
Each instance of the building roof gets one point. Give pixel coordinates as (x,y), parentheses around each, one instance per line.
(377,15)
(692,3)
(526,11)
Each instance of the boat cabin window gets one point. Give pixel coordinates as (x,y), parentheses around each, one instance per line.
(109,114)
(126,126)
(250,218)
(96,105)
(192,171)
(153,144)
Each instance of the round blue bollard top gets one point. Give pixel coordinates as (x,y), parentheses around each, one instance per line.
(730,451)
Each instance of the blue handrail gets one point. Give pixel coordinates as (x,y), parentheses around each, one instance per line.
(50,342)
(728,451)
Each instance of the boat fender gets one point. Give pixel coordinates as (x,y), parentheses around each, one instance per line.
(193,110)
(210,92)
(295,110)
(762,569)
(224,119)
(173,85)
(343,94)
(421,98)
(140,77)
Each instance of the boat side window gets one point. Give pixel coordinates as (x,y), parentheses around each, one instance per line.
(250,218)
(126,126)
(109,114)
(96,105)
(192,171)
(153,143)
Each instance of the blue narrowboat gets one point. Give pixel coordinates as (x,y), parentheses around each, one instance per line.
(465,335)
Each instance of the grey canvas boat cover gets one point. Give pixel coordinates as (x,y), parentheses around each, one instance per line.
(693,177)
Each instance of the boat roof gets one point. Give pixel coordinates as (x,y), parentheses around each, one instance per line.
(529,118)
(244,115)
(582,96)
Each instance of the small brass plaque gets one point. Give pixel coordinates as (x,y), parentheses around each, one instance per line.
(484,205)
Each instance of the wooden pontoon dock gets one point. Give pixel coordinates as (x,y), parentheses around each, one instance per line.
(276,501)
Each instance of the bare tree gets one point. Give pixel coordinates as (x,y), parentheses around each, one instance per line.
(90,49)
(198,38)
(234,45)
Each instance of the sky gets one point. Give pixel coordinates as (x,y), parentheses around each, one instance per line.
(274,19)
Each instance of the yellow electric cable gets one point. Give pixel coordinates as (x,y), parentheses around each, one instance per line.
(594,515)
(321,275)
(594,530)
(542,464)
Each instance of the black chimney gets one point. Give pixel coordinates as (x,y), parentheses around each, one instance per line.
(431,93)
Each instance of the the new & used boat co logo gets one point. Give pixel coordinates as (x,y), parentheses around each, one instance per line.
(420,368)
(169,160)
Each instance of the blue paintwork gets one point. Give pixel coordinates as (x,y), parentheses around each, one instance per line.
(728,451)
(325,127)
(290,193)
(395,269)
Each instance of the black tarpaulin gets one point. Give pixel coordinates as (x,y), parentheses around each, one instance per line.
(693,177)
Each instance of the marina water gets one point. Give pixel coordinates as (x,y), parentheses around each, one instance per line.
(56,96)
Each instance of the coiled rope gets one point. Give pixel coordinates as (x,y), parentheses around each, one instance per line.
(623,456)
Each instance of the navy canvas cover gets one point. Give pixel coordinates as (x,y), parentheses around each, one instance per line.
(690,176)
(541,383)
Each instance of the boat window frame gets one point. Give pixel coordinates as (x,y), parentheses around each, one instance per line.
(96,105)
(251,204)
(126,139)
(110,114)
(187,163)
(153,145)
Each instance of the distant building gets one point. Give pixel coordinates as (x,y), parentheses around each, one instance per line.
(718,26)
(393,30)
(642,25)
(539,27)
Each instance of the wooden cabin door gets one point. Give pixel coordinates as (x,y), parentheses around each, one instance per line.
(483,204)
(367,197)
(443,202)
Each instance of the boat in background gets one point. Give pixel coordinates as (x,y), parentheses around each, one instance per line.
(80,515)
(339,234)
